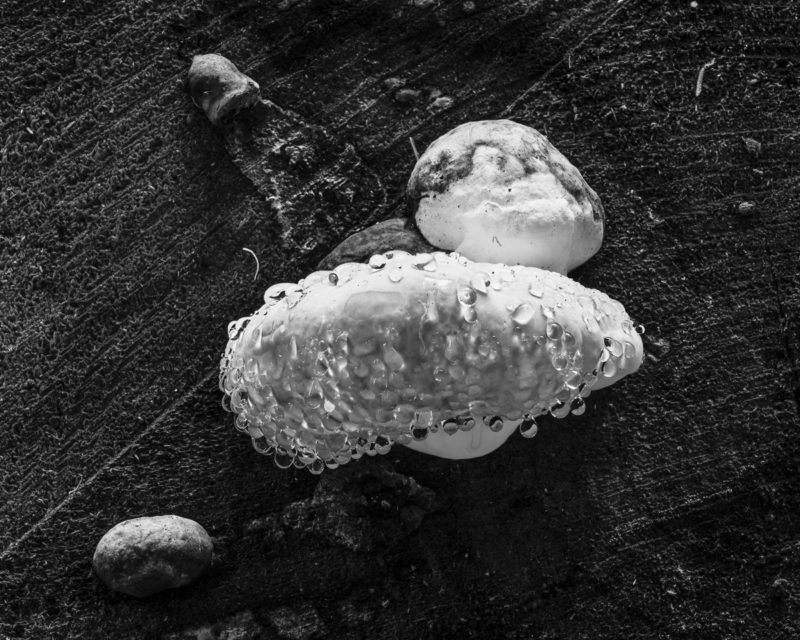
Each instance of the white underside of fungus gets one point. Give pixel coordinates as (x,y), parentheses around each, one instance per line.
(431,351)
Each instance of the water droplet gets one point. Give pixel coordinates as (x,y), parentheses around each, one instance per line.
(480,282)
(640,329)
(629,350)
(578,407)
(423,261)
(523,314)
(316,467)
(560,361)
(419,433)
(424,418)
(395,275)
(590,322)
(554,331)
(276,292)
(536,291)
(495,423)
(614,347)
(262,445)
(283,460)
(466,423)
(328,406)
(250,369)
(507,276)
(559,410)
(454,349)
(467,295)
(573,379)
(456,371)
(605,355)
(450,426)
(469,314)
(548,312)
(392,358)
(609,369)
(528,427)
(292,349)
(333,278)
(377,261)
(569,339)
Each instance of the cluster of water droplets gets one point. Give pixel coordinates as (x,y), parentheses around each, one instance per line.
(322,399)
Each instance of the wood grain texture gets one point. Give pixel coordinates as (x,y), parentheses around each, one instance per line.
(669,510)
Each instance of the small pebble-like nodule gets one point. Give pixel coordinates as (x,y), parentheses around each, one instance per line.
(143,556)
(219,88)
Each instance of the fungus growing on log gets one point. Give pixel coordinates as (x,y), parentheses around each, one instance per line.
(432,351)
(498,191)
(219,88)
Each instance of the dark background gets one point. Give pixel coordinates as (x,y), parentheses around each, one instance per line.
(669,510)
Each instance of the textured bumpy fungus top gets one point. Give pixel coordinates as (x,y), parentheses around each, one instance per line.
(219,88)
(430,350)
(498,191)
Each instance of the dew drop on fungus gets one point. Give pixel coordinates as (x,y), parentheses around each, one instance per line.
(480,282)
(507,275)
(466,424)
(377,261)
(419,433)
(573,379)
(275,292)
(467,296)
(560,361)
(613,346)
(450,426)
(578,406)
(495,423)
(316,467)
(629,350)
(554,331)
(536,291)
(469,314)
(528,427)
(395,275)
(640,329)
(282,459)
(523,314)
(333,278)
(424,261)
(609,368)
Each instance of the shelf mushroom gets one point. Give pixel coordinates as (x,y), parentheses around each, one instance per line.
(498,191)
(432,351)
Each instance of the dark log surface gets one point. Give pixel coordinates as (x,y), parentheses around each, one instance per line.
(669,510)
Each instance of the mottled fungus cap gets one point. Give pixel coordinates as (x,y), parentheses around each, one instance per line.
(498,191)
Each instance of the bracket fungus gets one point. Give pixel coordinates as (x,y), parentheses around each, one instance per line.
(432,351)
(498,191)
(219,88)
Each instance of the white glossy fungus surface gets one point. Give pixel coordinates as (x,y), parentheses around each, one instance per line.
(433,351)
